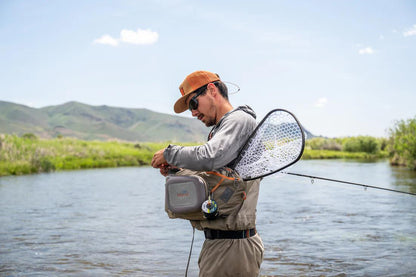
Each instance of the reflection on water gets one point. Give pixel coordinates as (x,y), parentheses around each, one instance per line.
(404,179)
(111,222)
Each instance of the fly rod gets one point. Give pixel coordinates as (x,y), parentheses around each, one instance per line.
(346,182)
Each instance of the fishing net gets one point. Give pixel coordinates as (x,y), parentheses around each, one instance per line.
(276,143)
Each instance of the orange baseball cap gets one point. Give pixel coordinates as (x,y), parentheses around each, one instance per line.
(191,83)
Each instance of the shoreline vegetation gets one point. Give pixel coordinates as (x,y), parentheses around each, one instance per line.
(29,154)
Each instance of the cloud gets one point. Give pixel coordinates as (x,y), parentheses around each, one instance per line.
(321,102)
(410,32)
(139,37)
(366,51)
(106,39)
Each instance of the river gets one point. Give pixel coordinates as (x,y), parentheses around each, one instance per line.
(111,222)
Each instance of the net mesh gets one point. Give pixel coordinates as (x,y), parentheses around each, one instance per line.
(277,143)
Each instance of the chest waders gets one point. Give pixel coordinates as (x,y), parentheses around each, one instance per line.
(276,143)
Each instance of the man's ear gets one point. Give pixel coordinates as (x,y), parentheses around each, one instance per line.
(213,90)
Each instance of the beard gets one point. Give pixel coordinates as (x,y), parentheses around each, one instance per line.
(208,121)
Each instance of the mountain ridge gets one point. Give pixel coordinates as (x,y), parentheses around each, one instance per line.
(88,122)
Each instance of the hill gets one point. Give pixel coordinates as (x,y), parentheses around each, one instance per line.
(86,122)
(74,119)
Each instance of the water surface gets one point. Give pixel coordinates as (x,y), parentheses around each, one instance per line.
(111,222)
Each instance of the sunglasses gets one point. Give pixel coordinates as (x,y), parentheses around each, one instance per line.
(193,103)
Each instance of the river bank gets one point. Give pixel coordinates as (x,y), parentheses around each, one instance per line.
(30,155)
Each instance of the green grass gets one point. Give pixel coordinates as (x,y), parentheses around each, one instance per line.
(28,154)
(31,155)
(309,154)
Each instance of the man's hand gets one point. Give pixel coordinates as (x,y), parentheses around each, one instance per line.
(158,159)
(164,169)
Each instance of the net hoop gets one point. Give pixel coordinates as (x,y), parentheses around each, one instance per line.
(277,143)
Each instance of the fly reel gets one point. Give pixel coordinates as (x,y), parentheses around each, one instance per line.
(210,208)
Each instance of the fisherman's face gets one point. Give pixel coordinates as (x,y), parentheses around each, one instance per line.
(206,110)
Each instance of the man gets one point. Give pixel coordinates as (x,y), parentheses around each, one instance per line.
(232,246)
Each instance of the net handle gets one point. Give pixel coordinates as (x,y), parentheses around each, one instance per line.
(241,153)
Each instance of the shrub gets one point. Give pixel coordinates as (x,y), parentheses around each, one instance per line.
(364,144)
(29,136)
(402,143)
(324,144)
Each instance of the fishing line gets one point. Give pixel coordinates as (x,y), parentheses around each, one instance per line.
(346,182)
(190,251)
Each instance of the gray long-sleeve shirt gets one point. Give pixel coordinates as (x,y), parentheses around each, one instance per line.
(226,140)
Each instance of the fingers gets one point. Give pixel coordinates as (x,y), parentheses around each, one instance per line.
(164,170)
(155,160)
(158,159)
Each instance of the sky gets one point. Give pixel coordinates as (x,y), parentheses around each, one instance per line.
(344,68)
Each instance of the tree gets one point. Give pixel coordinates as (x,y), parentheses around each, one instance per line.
(402,143)
(365,144)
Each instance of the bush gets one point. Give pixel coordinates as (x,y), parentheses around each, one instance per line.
(29,136)
(324,144)
(383,144)
(402,143)
(364,144)
(41,164)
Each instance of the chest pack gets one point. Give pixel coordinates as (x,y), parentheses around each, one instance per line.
(185,194)
(195,195)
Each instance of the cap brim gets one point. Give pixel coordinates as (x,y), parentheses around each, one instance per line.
(180,105)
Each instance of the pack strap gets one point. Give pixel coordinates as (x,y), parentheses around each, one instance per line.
(223,177)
